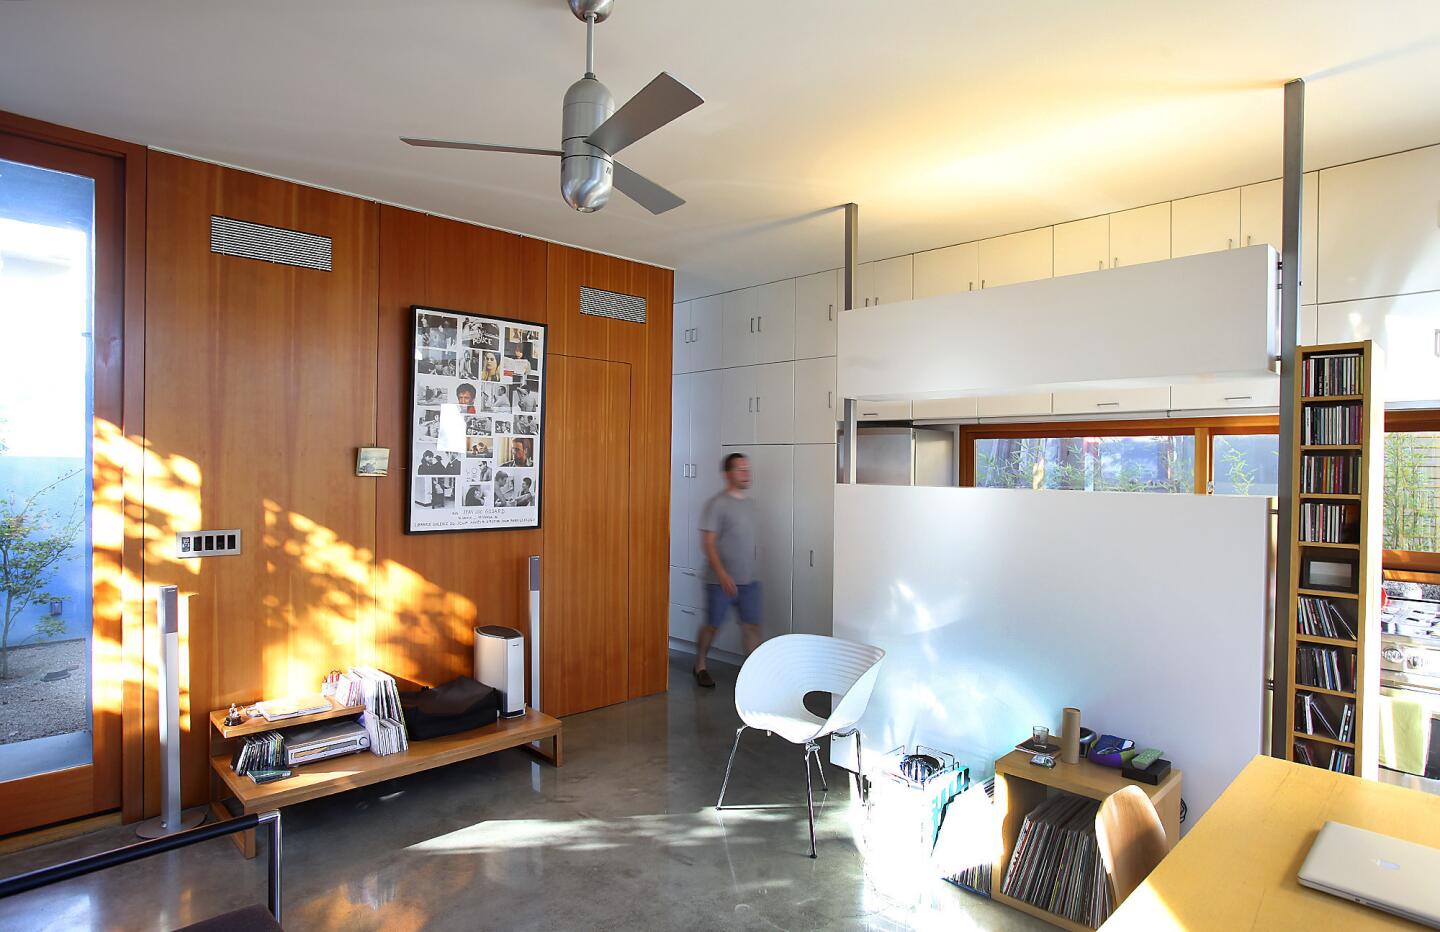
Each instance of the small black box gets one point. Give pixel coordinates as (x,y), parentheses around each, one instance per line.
(1152,775)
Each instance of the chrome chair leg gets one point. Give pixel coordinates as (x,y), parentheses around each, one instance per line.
(859,768)
(820,769)
(721,801)
(810,748)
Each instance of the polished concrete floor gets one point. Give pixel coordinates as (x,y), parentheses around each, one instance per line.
(624,836)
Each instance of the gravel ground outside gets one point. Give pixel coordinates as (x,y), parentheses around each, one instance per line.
(33,708)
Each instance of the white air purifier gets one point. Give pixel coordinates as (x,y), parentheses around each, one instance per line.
(500,663)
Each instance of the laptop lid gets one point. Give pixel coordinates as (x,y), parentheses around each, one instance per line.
(1375,870)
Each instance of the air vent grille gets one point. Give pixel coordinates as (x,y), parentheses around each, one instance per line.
(269,244)
(598,303)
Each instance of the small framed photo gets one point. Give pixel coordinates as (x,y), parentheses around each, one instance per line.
(1331,574)
(373,462)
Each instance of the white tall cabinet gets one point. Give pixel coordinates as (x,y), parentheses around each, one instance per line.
(770,394)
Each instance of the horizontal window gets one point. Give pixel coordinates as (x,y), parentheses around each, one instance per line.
(1161,463)
(1412,491)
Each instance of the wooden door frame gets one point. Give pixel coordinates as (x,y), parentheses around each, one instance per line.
(128,374)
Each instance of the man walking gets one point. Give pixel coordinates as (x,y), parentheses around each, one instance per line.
(727,532)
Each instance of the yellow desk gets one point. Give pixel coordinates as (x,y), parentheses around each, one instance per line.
(1236,868)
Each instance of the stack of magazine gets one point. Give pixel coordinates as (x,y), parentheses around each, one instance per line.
(1056,863)
(382,718)
(264,751)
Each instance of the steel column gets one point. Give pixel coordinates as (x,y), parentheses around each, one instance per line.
(1291,275)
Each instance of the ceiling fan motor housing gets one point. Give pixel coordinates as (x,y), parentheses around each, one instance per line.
(586,173)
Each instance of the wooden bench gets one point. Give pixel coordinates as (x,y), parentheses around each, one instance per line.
(233,795)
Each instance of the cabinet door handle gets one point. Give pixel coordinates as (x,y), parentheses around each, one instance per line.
(752,325)
(1237,397)
(1229,242)
(982,284)
(830,312)
(686,611)
(694,334)
(757,404)
(829,399)
(1247,239)
(760,324)
(877,300)
(1106,404)
(812,558)
(867,302)
(1115,262)
(969,286)
(750,404)
(1102,264)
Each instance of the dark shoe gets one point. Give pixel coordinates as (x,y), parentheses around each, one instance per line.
(703,678)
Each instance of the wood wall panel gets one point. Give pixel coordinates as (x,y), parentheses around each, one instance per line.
(585,567)
(260,384)
(261,380)
(646,348)
(433,589)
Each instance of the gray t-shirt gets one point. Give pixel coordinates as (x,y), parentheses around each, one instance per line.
(734,522)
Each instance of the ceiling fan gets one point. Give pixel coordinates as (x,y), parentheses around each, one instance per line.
(593,131)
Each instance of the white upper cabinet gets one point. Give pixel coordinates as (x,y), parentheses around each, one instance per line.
(737,416)
(887,281)
(741,346)
(1260,208)
(680,343)
(882,410)
(1140,235)
(1110,400)
(707,324)
(948,270)
(1014,405)
(1381,234)
(967,408)
(775,322)
(1216,396)
(1082,246)
(1017,257)
(1207,223)
(759,404)
(817,309)
(775,403)
(816,407)
(1405,328)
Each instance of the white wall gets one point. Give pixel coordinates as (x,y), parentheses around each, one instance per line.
(998,608)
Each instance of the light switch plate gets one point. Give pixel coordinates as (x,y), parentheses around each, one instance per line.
(191,544)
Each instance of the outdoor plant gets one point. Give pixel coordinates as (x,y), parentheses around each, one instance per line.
(34,539)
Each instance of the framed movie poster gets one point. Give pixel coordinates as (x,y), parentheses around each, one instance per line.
(477,417)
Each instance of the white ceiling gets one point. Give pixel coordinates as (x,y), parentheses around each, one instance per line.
(944,121)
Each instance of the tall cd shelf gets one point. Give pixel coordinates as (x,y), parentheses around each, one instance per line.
(1337,484)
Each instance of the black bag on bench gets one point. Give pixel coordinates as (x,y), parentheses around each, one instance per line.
(459,705)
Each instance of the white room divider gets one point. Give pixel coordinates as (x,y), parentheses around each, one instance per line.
(998,607)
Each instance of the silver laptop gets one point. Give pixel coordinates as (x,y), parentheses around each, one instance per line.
(1375,870)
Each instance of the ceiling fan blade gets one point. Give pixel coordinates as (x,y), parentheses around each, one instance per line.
(478,146)
(662,100)
(645,192)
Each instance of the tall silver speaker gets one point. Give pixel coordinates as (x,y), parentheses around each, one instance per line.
(534,568)
(500,663)
(171,819)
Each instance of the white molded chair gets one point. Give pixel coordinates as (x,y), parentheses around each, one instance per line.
(770,695)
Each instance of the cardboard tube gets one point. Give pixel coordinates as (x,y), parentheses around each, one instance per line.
(1070,735)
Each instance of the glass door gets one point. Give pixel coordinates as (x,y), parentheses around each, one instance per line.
(60,288)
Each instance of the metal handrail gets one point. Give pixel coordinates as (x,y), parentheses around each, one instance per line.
(45,876)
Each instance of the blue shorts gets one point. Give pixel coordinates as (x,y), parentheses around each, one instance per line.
(746,601)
